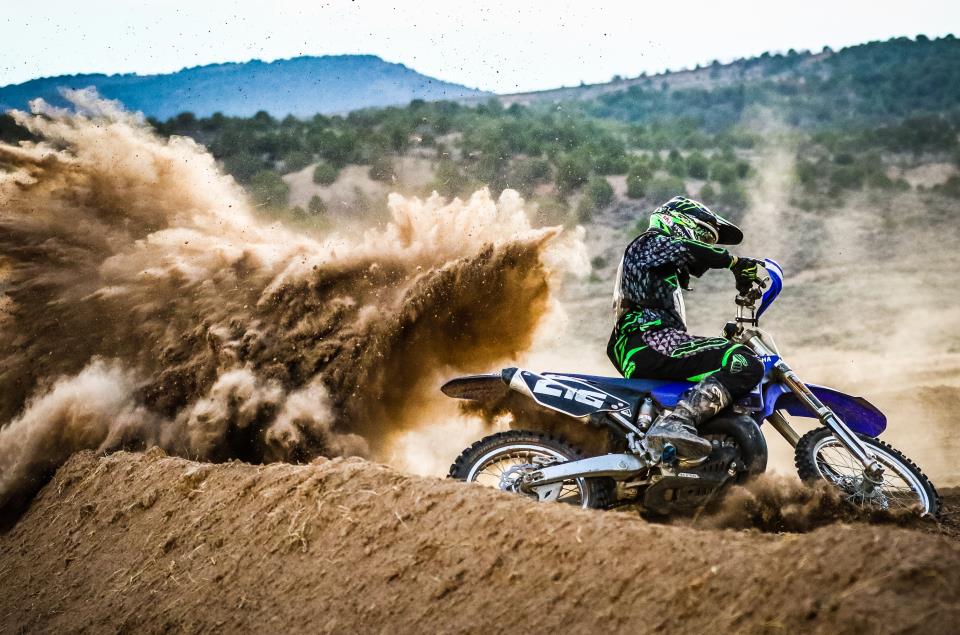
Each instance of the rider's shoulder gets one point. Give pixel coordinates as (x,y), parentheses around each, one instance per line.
(651,237)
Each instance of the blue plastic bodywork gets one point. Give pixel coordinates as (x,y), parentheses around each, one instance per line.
(774,287)
(858,413)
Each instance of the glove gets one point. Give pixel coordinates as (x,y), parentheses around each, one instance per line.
(746,273)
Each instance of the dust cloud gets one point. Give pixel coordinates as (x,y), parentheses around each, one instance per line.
(776,503)
(143,301)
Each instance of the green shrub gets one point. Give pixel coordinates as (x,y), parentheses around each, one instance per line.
(243,166)
(845,177)
(296,160)
(675,165)
(707,194)
(325,173)
(584,211)
(698,167)
(449,181)
(381,168)
(723,172)
(572,172)
(609,160)
(598,192)
(807,174)
(269,189)
(662,189)
(643,168)
(636,185)
(878,178)
(525,174)
(733,196)
(316,206)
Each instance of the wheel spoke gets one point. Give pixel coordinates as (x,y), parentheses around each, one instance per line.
(495,467)
(836,464)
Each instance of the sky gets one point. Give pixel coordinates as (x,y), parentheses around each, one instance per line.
(497,46)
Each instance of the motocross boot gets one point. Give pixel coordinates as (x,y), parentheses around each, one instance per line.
(679,428)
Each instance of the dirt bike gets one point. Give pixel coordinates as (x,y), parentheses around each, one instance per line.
(844,452)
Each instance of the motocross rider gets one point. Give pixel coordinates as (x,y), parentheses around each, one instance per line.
(650,338)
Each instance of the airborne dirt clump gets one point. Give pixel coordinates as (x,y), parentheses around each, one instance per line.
(145,302)
(344,545)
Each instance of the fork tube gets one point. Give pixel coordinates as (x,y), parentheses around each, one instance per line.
(828,417)
(781,425)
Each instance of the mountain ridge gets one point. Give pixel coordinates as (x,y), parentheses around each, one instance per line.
(299,86)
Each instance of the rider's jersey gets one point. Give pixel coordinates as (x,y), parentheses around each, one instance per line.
(654,270)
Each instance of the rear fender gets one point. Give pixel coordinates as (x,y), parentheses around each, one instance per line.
(856,412)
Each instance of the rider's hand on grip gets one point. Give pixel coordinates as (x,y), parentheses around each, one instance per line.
(746,273)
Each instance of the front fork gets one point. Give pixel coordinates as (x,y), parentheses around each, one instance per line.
(872,468)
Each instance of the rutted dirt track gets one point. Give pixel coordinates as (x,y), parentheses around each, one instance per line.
(148,542)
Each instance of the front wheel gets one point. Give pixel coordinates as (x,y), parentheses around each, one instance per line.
(821,456)
(501,459)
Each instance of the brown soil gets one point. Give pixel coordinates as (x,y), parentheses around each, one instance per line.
(147,542)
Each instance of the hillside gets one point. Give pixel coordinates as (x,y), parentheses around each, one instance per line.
(880,117)
(301,86)
(870,82)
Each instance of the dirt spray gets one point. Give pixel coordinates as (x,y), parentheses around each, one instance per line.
(145,302)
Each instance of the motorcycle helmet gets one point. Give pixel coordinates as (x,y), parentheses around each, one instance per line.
(687,219)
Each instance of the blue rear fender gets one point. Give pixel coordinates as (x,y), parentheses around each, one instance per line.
(856,412)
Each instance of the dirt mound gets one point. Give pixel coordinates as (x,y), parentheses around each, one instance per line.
(144,541)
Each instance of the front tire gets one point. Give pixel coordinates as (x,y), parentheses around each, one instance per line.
(505,453)
(820,456)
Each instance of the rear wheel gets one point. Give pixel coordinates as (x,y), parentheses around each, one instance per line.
(821,456)
(501,459)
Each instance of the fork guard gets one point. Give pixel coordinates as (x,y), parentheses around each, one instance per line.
(856,412)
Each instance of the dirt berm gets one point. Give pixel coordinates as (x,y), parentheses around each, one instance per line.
(133,542)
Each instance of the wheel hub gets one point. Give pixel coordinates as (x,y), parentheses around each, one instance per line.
(512,477)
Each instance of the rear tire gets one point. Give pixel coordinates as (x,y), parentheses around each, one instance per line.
(513,445)
(819,456)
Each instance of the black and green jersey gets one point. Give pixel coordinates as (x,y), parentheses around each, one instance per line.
(656,267)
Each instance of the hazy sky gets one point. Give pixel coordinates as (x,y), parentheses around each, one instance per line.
(498,46)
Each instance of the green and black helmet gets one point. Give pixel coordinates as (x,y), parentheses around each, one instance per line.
(684,218)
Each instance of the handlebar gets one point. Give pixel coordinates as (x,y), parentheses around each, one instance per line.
(750,298)
(746,303)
